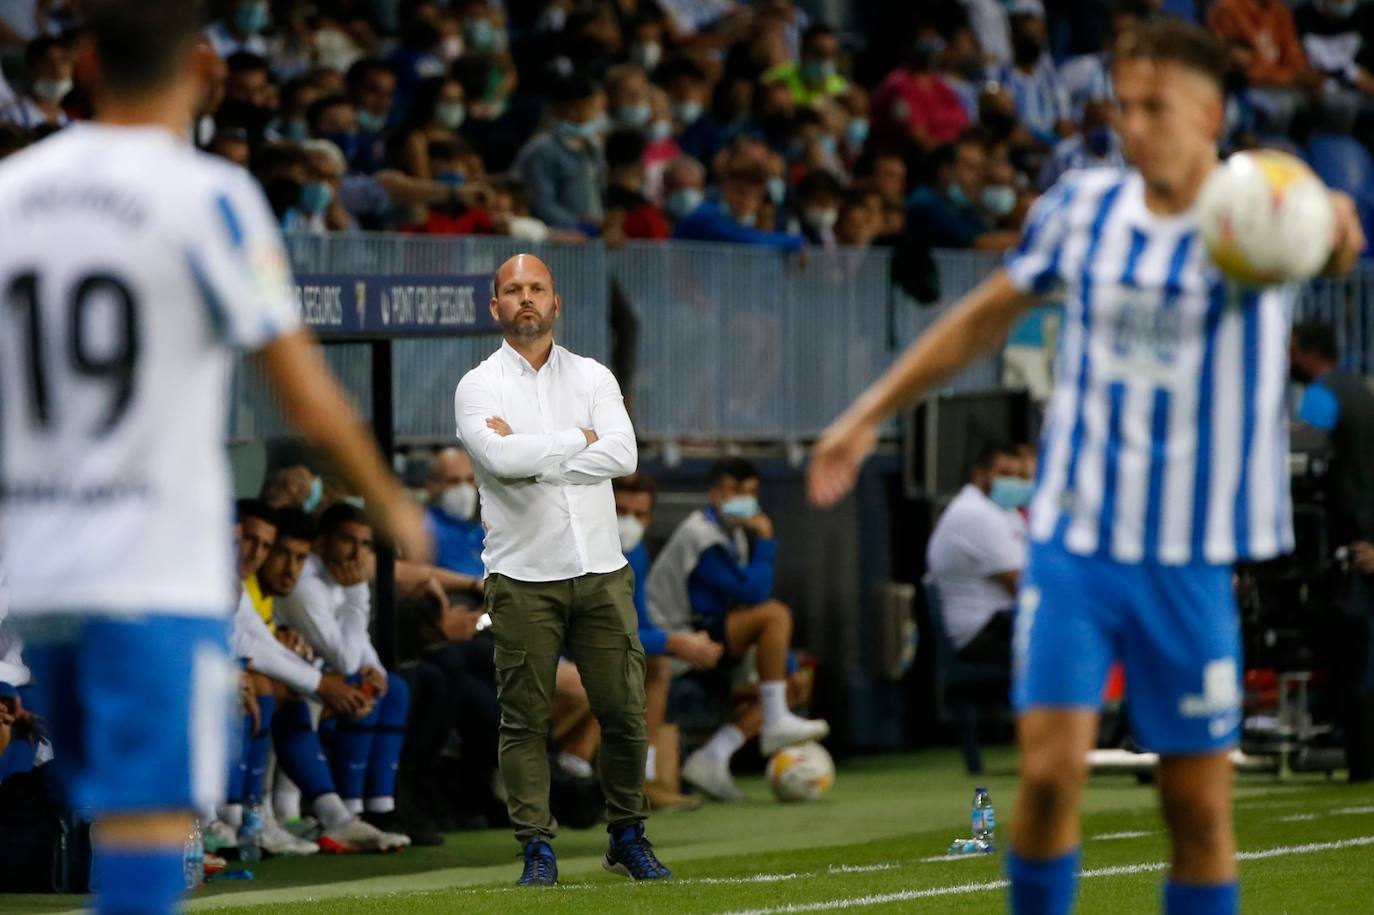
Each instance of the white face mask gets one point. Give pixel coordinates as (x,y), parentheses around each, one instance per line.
(822,218)
(631,532)
(51,91)
(459,501)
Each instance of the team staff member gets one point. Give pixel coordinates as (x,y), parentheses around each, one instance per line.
(547,432)
(1340,404)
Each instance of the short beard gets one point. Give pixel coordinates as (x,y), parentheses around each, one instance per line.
(525,332)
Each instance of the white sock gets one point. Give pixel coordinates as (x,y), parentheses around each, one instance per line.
(724,743)
(330,811)
(231,815)
(381,804)
(773,694)
(354,805)
(651,764)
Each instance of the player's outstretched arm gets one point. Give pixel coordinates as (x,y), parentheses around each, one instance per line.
(975,325)
(315,405)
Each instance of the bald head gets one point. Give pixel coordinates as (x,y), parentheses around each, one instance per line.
(515,263)
(450,467)
(524,302)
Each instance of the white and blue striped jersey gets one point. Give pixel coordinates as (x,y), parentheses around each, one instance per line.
(1166,439)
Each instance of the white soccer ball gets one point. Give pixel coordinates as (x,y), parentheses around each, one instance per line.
(804,772)
(1266,218)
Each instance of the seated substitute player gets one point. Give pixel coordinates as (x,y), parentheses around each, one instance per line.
(331,607)
(715,574)
(281,680)
(1165,456)
(635,496)
(132,266)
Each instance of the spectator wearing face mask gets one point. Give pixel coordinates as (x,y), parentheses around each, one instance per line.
(976,554)
(818,201)
(660,148)
(816,76)
(1038,91)
(452,513)
(372,89)
(735,217)
(684,187)
(50,70)
(564,167)
(1096,146)
(698,133)
(436,113)
(242,28)
(914,104)
(948,214)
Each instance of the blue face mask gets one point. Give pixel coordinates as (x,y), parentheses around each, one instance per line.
(636,115)
(371,123)
(957,195)
(683,201)
(739,508)
(295,131)
(1011,493)
(315,199)
(481,34)
(999,199)
(827,145)
(1099,141)
(687,113)
(312,501)
(777,190)
(253,18)
(453,179)
(856,133)
(816,72)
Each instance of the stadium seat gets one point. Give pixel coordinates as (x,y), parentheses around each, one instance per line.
(962,687)
(1344,163)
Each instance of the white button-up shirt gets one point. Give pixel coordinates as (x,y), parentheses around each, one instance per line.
(547,504)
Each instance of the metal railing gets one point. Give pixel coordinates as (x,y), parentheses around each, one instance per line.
(732,343)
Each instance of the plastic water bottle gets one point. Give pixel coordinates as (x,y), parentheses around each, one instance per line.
(250,833)
(984,816)
(193,863)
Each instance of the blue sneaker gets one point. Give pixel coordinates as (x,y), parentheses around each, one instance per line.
(541,867)
(632,855)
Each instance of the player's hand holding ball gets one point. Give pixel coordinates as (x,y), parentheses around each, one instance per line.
(1268,219)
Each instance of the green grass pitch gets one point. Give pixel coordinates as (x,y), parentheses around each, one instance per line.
(875,845)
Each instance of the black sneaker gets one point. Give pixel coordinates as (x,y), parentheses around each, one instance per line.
(541,867)
(632,855)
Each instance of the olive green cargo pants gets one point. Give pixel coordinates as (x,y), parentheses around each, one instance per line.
(591,618)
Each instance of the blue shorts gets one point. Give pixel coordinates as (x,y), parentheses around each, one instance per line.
(138,708)
(1175,628)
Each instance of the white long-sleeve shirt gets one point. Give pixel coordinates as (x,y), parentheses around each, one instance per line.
(332,618)
(546,495)
(254,641)
(12,668)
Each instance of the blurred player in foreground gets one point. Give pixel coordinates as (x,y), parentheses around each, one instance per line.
(1163,462)
(132,266)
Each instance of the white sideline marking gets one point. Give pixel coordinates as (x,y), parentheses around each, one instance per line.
(860,868)
(993,885)
(1296,818)
(1114,836)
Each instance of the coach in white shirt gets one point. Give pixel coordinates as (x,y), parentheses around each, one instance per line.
(976,554)
(547,432)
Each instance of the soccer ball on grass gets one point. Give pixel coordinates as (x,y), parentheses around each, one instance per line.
(804,772)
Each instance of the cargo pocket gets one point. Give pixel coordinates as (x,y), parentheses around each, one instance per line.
(512,688)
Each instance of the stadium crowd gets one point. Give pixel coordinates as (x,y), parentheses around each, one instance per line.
(709,120)
(753,123)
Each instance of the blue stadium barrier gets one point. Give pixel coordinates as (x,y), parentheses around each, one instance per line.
(735,344)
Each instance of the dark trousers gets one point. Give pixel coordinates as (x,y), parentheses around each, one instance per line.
(592,618)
